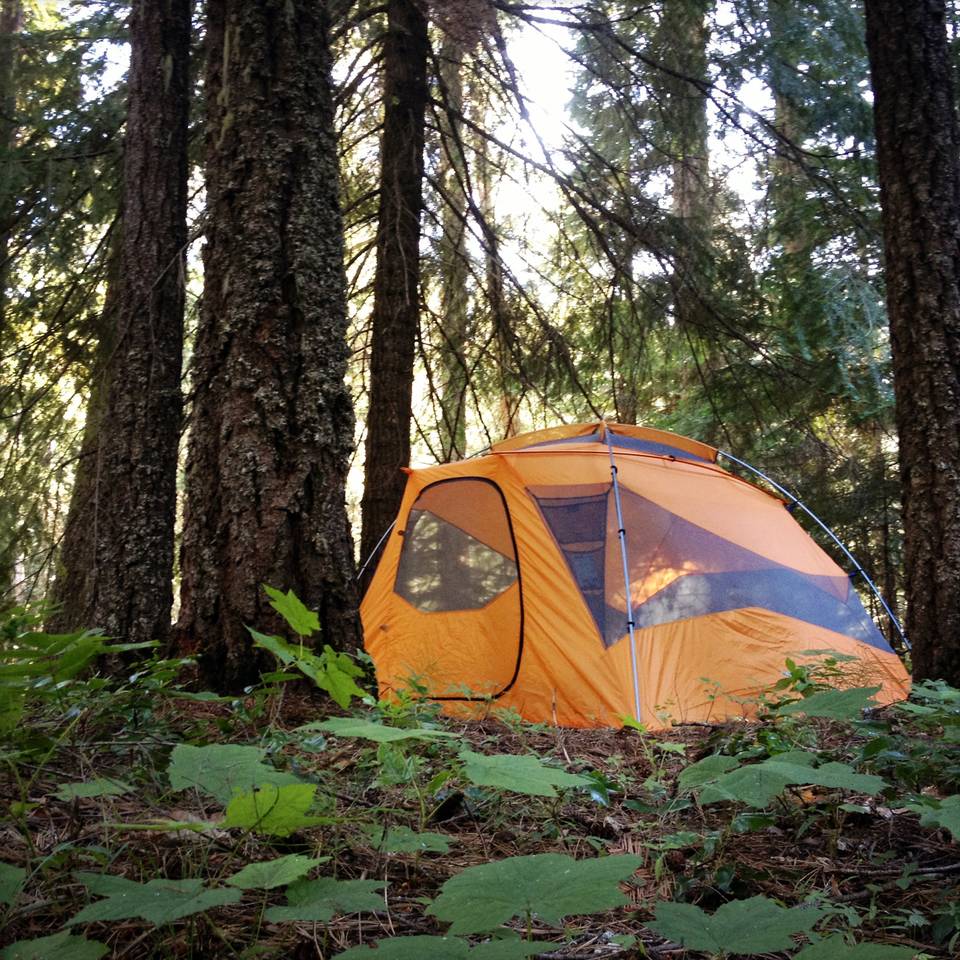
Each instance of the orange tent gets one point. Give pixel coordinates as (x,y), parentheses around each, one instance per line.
(504,583)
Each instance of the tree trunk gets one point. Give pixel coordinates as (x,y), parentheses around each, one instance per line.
(509,394)
(396,300)
(272,421)
(685,31)
(11,23)
(917,154)
(76,572)
(122,579)
(454,266)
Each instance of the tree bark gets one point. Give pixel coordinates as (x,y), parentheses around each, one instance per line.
(454,265)
(396,306)
(272,420)
(121,580)
(76,571)
(11,23)
(917,154)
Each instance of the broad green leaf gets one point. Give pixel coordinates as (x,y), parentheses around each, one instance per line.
(368,730)
(946,814)
(60,946)
(405,840)
(272,810)
(836,948)
(301,620)
(339,682)
(223,769)
(834,704)
(320,900)
(274,873)
(283,651)
(521,774)
(99,787)
(443,948)
(841,776)
(11,882)
(550,885)
(758,784)
(157,901)
(705,770)
(757,925)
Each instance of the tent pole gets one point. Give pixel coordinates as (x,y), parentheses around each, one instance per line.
(797,502)
(622,534)
(373,552)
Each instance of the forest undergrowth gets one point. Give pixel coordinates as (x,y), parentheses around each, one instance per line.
(144,818)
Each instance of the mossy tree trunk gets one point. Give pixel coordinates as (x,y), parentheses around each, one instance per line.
(272,420)
(117,567)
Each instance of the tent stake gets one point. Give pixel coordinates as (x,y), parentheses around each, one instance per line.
(622,534)
(797,502)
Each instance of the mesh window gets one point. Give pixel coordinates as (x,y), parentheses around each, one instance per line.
(579,525)
(679,570)
(458,551)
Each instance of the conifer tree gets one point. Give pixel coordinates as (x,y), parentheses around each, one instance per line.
(918,154)
(118,556)
(272,421)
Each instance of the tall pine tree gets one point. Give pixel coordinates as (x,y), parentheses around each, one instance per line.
(272,421)
(918,153)
(118,547)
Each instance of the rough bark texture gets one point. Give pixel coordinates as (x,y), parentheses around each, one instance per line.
(122,579)
(396,298)
(272,421)
(917,153)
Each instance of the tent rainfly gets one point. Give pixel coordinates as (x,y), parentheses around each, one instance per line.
(582,574)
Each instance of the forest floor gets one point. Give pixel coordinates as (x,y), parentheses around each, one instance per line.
(133,783)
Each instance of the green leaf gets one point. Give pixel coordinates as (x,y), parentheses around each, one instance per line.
(157,901)
(274,873)
(300,620)
(757,925)
(272,810)
(443,948)
(320,900)
(758,784)
(836,948)
(521,774)
(368,730)
(223,770)
(405,840)
(705,770)
(99,787)
(945,814)
(834,704)
(550,885)
(60,946)
(11,882)
(337,681)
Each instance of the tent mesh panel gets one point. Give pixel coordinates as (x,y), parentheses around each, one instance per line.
(442,566)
